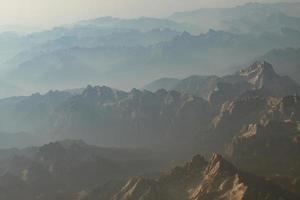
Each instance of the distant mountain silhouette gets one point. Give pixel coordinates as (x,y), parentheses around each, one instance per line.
(247,18)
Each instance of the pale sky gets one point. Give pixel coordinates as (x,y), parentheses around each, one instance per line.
(47,13)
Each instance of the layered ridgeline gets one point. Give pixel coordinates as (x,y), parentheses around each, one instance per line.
(105,116)
(258,76)
(247,18)
(245,116)
(101,115)
(69,56)
(54,51)
(65,170)
(209,53)
(197,180)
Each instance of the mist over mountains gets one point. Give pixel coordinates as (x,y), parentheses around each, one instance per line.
(108,50)
(140,118)
(250,17)
(108,108)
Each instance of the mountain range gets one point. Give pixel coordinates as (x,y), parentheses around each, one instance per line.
(244,116)
(78,65)
(193,100)
(196,180)
(247,18)
(259,75)
(100,50)
(74,170)
(161,119)
(63,170)
(108,108)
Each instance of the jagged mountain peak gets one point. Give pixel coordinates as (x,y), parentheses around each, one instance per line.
(261,74)
(102,94)
(258,73)
(258,65)
(259,77)
(220,180)
(217,165)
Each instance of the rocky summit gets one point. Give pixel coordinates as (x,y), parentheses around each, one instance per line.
(202,180)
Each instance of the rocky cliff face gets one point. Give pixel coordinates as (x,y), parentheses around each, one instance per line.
(260,76)
(250,131)
(202,180)
(235,116)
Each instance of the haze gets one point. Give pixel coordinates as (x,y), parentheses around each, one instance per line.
(49,13)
